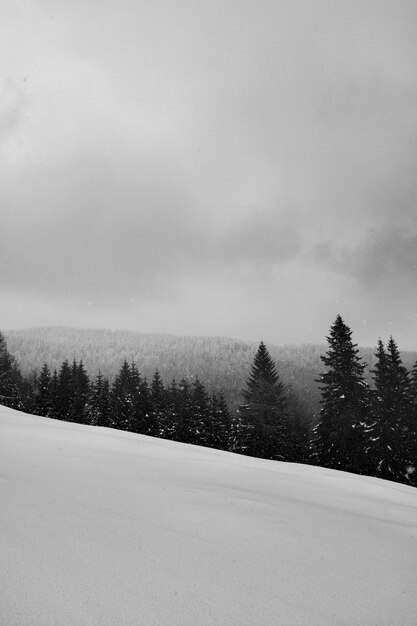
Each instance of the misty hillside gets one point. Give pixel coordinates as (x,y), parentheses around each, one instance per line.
(220,362)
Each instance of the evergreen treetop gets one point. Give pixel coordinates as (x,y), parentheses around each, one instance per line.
(263,371)
(10,377)
(388,433)
(339,435)
(264,426)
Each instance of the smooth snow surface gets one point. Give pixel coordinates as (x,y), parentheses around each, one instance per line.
(102,527)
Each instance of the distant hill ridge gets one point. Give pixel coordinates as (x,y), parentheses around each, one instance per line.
(219,362)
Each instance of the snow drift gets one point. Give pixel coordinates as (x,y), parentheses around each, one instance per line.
(101,527)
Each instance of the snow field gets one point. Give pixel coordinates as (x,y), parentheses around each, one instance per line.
(102,527)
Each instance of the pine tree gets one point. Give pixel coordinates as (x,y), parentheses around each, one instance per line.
(135,416)
(222,424)
(143,407)
(10,377)
(264,412)
(239,432)
(340,434)
(54,395)
(27,393)
(43,397)
(391,407)
(80,393)
(100,402)
(122,399)
(411,432)
(16,385)
(401,378)
(202,423)
(185,428)
(158,405)
(64,393)
(170,418)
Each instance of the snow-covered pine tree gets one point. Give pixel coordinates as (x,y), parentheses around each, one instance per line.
(135,417)
(10,377)
(54,395)
(80,390)
(63,398)
(100,402)
(203,425)
(27,393)
(143,407)
(411,435)
(222,424)
(391,407)
(338,440)
(185,430)
(43,396)
(122,399)
(170,418)
(264,418)
(158,405)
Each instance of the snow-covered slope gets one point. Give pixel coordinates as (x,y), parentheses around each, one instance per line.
(104,527)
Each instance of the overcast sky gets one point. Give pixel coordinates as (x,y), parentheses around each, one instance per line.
(226,167)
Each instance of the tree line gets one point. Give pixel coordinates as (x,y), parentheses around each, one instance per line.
(363,428)
(221,362)
(180,411)
(366,429)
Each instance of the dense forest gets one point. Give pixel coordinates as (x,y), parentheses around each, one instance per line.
(222,363)
(366,422)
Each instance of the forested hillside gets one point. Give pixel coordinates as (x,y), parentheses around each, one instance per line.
(226,399)
(222,363)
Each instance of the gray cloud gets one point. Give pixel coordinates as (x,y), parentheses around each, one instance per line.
(383,259)
(92,235)
(85,234)
(263,236)
(390,261)
(186,154)
(378,279)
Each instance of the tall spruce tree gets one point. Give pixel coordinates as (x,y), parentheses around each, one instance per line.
(135,419)
(43,396)
(340,434)
(411,434)
(100,402)
(123,398)
(80,391)
(185,427)
(28,386)
(64,393)
(10,377)
(170,415)
(143,408)
(222,424)
(158,405)
(391,407)
(202,422)
(264,416)
(404,408)
(54,395)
